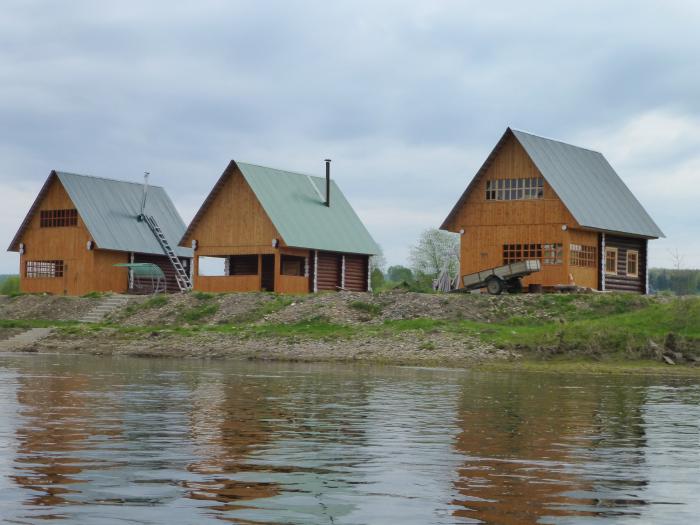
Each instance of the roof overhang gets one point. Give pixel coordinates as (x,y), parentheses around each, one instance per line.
(14,245)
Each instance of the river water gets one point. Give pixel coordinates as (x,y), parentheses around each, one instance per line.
(126,440)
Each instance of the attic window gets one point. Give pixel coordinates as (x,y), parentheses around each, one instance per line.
(515,189)
(58,218)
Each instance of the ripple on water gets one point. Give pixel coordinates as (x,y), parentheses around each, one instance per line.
(87,440)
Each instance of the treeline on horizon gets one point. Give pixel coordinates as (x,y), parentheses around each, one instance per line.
(680,282)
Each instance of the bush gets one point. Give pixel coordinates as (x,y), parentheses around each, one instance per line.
(10,285)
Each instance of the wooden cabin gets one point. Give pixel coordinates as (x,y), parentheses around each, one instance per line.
(80,227)
(279,231)
(537,198)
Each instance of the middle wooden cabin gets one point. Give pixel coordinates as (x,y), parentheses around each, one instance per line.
(279,231)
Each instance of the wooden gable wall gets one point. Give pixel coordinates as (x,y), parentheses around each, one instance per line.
(234,223)
(84,271)
(488,225)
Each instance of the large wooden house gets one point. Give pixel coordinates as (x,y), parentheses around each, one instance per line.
(537,198)
(80,227)
(279,231)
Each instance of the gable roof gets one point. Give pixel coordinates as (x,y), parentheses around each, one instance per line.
(109,209)
(585,182)
(294,203)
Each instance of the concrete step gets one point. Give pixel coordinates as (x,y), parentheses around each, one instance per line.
(104,308)
(25,338)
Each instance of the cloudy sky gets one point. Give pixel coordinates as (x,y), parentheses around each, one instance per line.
(407,97)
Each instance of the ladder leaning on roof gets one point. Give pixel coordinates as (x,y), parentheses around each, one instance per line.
(183,280)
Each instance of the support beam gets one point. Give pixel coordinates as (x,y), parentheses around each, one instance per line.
(602,262)
(342,273)
(369,273)
(315,271)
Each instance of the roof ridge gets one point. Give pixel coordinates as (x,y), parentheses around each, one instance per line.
(58,172)
(553,140)
(280,169)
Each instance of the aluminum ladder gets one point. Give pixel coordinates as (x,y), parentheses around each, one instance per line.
(183,280)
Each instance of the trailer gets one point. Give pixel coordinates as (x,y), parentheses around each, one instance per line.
(496,280)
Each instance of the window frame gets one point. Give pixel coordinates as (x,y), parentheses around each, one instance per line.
(46,269)
(636,263)
(612,249)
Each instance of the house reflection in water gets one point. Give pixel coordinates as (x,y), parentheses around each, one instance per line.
(533,452)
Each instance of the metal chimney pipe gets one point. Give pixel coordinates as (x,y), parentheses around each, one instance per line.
(328,182)
(145,195)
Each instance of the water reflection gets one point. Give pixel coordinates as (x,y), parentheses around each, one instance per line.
(89,440)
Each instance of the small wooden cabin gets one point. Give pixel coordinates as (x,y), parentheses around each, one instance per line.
(279,231)
(80,226)
(537,198)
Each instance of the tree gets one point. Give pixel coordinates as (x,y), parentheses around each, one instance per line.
(377,279)
(435,251)
(399,274)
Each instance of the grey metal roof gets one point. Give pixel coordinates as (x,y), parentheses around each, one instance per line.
(294,202)
(585,182)
(109,208)
(589,187)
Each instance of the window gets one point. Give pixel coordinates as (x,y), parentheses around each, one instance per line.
(243,265)
(632,263)
(293,265)
(611,261)
(58,218)
(552,253)
(547,253)
(39,269)
(582,255)
(515,189)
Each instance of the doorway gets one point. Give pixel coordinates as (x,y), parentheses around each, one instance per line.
(267,273)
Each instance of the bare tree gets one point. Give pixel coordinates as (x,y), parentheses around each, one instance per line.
(677,258)
(436,252)
(377,262)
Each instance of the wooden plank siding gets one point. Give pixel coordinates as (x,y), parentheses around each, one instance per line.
(490,224)
(84,270)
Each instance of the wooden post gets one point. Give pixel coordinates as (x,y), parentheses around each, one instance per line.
(342,272)
(646,266)
(602,262)
(315,271)
(369,273)
(131,271)
(260,272)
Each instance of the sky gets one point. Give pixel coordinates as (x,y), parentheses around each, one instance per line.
(408,98)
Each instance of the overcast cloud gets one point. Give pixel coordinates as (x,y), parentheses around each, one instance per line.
(408,98)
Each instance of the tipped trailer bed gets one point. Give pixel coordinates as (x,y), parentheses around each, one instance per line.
(496,280)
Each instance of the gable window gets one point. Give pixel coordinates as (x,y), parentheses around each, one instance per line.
(611,261)
(582,255)
(515,189)
(632,263)
(43,269)
(58,218)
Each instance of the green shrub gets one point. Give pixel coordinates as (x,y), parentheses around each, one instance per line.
(10,285)
(156,301)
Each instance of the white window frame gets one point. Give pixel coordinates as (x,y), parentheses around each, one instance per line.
(617,260)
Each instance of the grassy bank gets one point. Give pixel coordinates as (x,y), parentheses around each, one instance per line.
(610,330)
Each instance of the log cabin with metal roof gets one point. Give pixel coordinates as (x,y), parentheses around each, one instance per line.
(281,231)
(538,198)
(88,234)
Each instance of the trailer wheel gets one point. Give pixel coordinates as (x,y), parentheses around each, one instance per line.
(494,285)
(515,285)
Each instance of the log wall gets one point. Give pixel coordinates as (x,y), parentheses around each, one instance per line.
(622,281)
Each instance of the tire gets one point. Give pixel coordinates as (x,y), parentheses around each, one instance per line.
(494,285)
(515,286)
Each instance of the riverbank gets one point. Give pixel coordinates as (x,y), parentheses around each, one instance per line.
(606,330)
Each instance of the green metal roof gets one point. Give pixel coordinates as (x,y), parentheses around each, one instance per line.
(109,208)
(294,202)
(585,182)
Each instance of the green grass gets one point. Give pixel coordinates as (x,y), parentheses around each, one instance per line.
(370,309)
(196,314)
(203,296)
(277,303)
(9,285)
